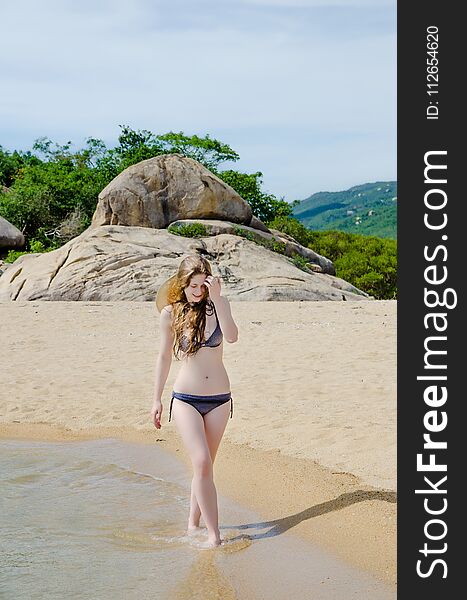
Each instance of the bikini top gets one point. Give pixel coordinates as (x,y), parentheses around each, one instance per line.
(213,341)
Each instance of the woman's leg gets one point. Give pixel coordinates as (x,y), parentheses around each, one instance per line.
(215,422)
(190,425)
(195,511)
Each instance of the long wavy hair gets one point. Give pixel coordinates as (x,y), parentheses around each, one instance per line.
(189,315)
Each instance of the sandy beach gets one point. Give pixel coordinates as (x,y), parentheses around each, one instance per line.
(312,441)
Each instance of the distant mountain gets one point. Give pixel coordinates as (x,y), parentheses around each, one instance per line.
(370,209)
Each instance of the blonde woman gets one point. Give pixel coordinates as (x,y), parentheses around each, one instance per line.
(194,320)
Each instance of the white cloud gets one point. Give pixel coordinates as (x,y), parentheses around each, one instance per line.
(72,70)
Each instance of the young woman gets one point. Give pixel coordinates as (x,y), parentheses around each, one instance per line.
(194,320)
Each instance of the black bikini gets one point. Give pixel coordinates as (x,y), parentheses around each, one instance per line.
(214,340)
(204,404)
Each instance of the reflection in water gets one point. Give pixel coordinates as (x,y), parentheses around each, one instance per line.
(204,581)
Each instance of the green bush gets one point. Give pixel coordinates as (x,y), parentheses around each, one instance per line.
(44,195)
(301,263)
(191,230)
(290,226)
(274,245)
(367,262)
(36,247)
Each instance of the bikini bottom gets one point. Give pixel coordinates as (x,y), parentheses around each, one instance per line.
(203,404)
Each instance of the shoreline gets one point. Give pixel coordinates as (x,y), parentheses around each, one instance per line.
(330,508)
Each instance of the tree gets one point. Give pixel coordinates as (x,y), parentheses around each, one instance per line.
(264,206)
(10,164)
(209,152)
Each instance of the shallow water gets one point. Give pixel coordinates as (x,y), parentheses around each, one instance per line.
(106,519)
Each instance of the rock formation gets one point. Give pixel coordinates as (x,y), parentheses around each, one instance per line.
(10,236)
(130,263)
(133,244)
(160,190)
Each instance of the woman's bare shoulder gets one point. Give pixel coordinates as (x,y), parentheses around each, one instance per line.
(167,314)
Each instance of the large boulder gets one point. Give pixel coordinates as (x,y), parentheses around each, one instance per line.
(130,263)
(163,189)
(10,236)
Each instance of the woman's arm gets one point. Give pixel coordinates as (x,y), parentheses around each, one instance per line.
(164,359)
(163,364)
(224,314)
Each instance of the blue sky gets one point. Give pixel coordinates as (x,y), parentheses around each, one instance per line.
(303,90)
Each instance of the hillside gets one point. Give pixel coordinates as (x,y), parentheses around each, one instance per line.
(369,209)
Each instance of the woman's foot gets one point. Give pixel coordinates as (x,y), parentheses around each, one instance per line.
(194,529)
(212,542)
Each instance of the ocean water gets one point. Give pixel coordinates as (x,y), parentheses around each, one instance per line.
(105,520)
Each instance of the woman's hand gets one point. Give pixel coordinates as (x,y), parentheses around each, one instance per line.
(213,285)
(156,414)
